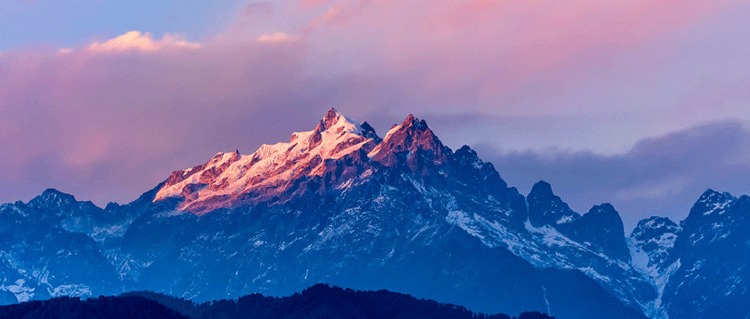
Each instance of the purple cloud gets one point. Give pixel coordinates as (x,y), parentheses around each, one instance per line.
(658,176)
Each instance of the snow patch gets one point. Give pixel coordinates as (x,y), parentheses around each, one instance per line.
(23,293)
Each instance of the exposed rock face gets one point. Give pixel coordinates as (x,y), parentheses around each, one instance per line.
(655,236)
(602,227)
(411,143)
(546,208)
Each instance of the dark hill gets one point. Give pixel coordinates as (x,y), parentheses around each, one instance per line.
(319,301)
(129,307)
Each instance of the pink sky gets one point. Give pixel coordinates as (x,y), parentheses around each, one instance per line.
(111,117)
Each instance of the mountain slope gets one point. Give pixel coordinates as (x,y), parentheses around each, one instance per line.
(42,260)
(712,251)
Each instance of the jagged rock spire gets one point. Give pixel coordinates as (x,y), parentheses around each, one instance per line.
(546,208)
(329,119)
(408,141)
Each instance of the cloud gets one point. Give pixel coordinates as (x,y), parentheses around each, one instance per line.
(278,37)
(332,16)
(136,41)
(658,176)
(107,127)
(537,58)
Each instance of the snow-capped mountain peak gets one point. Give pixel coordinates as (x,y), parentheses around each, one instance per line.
(411,142)
(337,122)
(231,178)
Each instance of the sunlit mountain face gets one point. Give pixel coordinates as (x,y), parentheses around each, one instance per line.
(341,205)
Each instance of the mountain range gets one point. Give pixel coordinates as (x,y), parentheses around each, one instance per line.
(341,205)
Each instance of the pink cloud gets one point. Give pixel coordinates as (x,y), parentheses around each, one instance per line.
(136,41)
(108,126)
(278,37)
